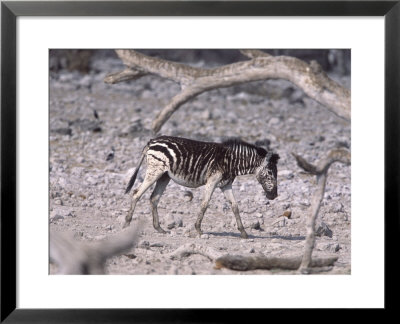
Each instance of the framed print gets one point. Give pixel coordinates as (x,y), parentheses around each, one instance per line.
(63,167)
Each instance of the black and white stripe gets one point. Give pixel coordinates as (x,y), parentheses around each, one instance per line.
(193,163)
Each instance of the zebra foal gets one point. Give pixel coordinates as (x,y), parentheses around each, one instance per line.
(193,164)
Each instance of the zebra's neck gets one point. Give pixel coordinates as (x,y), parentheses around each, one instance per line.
(241,159)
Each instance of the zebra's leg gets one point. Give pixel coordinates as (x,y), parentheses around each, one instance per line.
(209,189)
(155,198)
(228,193)
(149,179)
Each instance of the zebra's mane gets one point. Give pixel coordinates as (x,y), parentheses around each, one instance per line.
(234,142)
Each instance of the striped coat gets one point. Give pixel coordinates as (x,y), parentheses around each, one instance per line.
(193,163)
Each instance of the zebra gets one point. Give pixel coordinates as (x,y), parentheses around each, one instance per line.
(193,164)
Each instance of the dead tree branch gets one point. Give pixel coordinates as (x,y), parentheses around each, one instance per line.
(321,171)
(261,66)
(192,248)
(245,263)
(248,262)
(74,257)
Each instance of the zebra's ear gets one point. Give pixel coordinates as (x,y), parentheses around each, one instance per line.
(263,143)
(274,158)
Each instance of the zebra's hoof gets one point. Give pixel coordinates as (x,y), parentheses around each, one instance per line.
(160,230)
(244,235)
(126,224)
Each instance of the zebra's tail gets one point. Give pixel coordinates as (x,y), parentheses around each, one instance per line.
(133,178)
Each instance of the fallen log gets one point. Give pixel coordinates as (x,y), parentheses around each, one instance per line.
(245,263)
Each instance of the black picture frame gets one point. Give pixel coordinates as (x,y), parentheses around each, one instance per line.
(11,10)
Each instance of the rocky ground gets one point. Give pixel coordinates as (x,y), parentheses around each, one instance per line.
(97,132)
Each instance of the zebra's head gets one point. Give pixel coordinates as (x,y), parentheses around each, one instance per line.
(267,175)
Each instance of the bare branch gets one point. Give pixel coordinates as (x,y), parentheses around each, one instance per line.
(192,248)
(336,155)
(74,257)
(245,263)
(124,75)
(193,81)
(251,53)
(321,171)
(177,101)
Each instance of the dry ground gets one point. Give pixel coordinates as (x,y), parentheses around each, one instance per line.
(87,190)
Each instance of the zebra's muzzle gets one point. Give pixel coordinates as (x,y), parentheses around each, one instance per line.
(271,196)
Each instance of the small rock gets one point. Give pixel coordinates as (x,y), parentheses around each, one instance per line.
(188,195)
(111,154)
(58,202)
(343,143)
(274,121)
(286,174)
(281,221)
(255,225)
(71,214)
(86,81)
(205,236)
(134,130)
(144,245)
(173,270)
(323,230)
(156,245)
(287,214)
(56,218)
(331,247)
(85,125)
(337,208)
(174,223)
(207,115)
(305,203)
(147,94)
(252,250)
(67,77)
(130,256)
(62,131)
(78,235)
